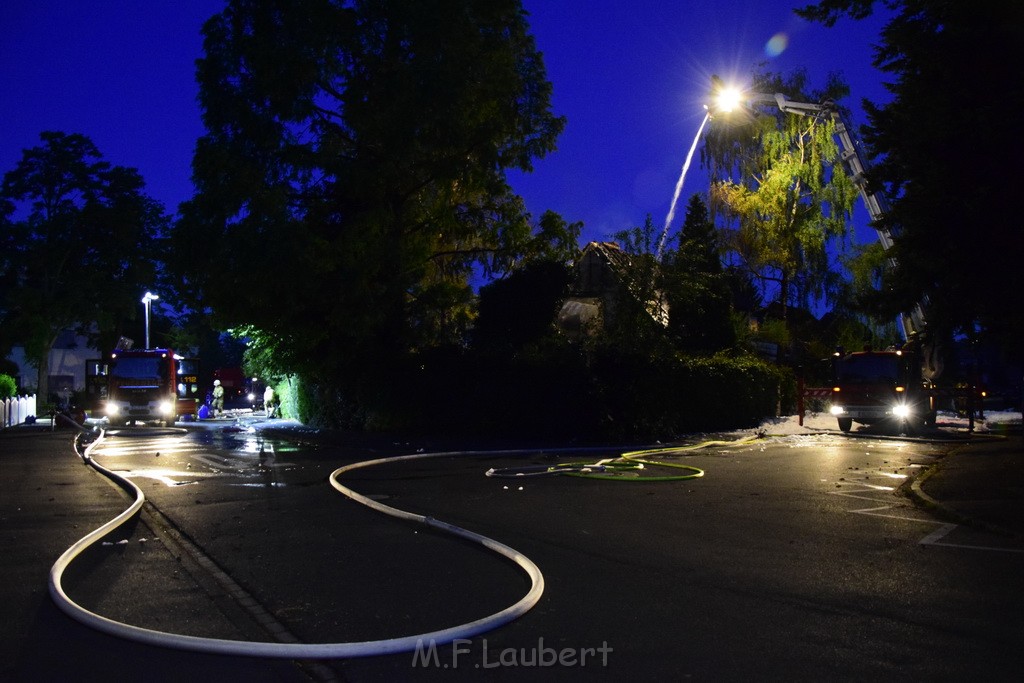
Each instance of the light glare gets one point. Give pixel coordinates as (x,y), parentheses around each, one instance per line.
(728,100)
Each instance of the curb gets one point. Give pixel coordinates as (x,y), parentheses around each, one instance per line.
(917,494)
(920,498)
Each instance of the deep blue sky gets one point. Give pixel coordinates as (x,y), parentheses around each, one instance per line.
(630,75)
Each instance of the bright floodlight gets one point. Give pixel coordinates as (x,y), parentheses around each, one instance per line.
(147,301)
(728,99)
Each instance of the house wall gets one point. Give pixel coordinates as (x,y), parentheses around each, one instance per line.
(67,364)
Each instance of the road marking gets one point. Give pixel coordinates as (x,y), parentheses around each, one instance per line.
(932,539)
(878,510)
(165,477)
(214,461)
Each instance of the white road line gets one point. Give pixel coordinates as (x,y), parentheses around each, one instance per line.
(932,539)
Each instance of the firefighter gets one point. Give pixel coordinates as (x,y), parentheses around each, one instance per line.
(268,401)
(218,398)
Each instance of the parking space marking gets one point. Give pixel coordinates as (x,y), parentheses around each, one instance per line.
(933,538)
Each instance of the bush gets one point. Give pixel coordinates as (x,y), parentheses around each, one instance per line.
(647,398)
(8,387)
(542,390)
(286,393)
(553,389)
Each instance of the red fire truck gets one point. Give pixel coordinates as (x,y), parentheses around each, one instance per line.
(149,385)
(871,386)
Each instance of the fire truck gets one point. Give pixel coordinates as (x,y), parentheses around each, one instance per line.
(148,385)
(868,386)
(872,386)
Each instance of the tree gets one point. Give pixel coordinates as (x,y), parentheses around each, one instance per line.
(354,162)
(867,264)
(520,309)
(947,150)
(78,245)
(777,177)
(696,287)
(688,284)
(641,307)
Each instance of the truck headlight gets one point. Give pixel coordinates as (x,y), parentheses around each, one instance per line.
(112,409)
(836,410)
(164,407)
(901,410)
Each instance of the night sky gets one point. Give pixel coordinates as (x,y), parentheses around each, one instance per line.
(631,77)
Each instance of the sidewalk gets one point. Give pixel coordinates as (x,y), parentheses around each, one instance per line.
(980,483)
(48,500)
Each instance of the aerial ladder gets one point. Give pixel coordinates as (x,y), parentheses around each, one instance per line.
(912,323)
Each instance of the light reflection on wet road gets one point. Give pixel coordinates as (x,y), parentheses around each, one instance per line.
(181,457)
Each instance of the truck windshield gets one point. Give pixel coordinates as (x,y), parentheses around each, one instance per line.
(188,366)
(868,369)
(154,369)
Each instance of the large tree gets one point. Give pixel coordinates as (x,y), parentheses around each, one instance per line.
(77,245)
(948,155)
(777,178)
(352,176)
(700,312)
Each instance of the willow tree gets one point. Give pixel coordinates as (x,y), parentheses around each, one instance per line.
(352,177)
(778,182)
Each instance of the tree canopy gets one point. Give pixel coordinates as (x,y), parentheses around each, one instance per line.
(947,155)
(77,244)
(352,175)
(778,182)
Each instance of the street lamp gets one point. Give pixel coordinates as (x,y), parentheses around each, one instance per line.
(147,301)
(727,99)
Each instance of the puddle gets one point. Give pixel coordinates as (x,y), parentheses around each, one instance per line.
(262,485)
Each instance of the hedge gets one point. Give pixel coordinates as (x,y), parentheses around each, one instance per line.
(564,392)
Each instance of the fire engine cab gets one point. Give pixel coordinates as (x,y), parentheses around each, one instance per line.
(147,385)
(870,386)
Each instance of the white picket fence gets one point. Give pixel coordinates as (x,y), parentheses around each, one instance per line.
(13,411)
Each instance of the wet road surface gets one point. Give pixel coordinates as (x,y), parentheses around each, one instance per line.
(793,557)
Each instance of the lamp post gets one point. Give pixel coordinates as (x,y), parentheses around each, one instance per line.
(147,301)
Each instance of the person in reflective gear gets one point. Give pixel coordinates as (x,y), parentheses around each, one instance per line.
(218,398)
(268,401)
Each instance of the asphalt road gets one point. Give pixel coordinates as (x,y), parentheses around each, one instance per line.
(792,558)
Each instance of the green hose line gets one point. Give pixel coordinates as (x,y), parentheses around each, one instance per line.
(632,455)
(560,468)
(624,466)
(695,473)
